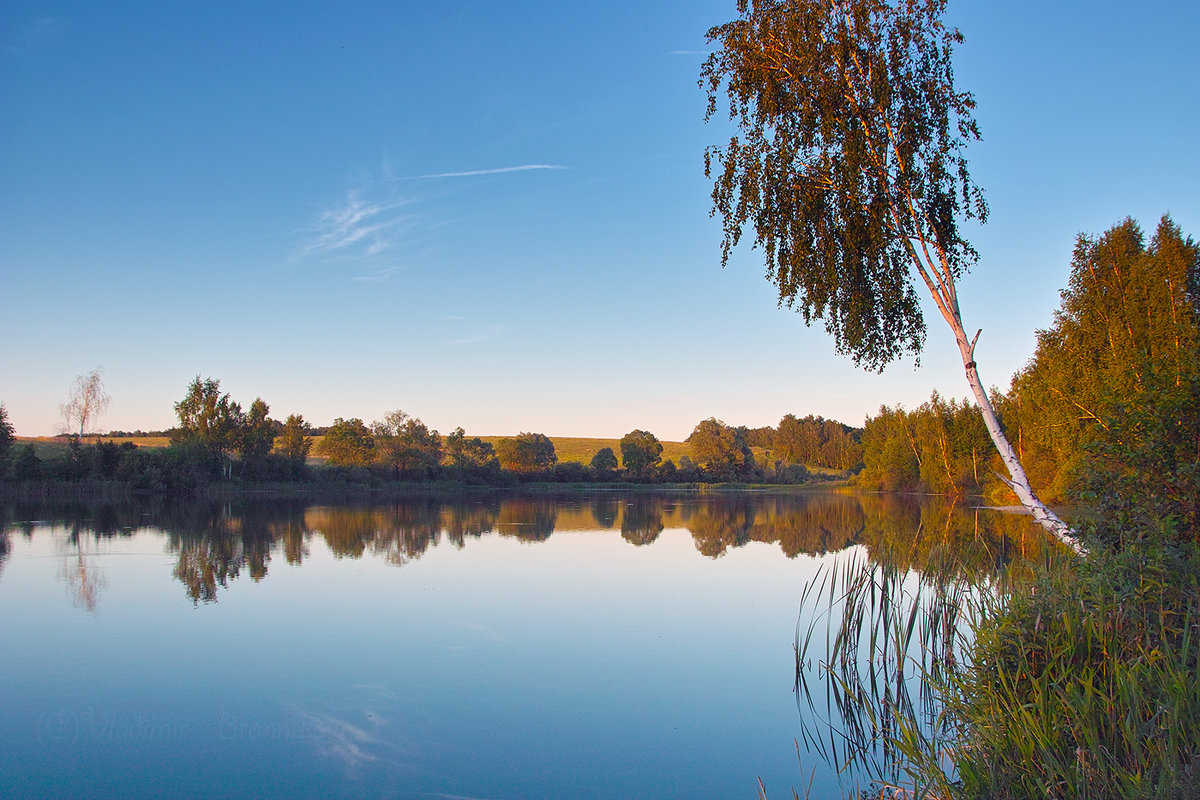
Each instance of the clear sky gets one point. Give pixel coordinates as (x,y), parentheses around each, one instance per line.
(494,215)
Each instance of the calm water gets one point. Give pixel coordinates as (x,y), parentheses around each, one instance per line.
(609,647)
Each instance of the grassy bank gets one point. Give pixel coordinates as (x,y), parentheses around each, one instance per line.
(1076,679)
(1084,683)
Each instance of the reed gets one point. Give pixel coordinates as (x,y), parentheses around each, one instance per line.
(896,637)
(1078,681)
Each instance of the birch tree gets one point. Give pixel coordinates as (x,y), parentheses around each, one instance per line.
(85,404)
(848,164)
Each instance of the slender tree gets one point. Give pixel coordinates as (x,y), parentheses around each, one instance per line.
(850,167)
(85,403)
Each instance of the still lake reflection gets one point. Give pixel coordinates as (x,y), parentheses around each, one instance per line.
(477,647)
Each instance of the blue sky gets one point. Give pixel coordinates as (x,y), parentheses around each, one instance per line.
(495,215)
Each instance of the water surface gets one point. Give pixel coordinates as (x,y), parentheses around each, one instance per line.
(488,647)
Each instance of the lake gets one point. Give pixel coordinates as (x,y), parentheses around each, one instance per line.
(490,646)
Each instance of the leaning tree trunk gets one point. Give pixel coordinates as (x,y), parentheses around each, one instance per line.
(1017,480)
(934,269)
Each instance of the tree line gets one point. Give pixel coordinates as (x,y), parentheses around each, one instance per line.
(217,440)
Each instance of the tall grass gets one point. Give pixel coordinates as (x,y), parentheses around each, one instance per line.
(1082,681)
(1086,682)
(895,636)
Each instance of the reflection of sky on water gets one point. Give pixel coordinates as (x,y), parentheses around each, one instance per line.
(581,665)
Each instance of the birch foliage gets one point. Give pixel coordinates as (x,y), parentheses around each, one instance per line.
(849,163)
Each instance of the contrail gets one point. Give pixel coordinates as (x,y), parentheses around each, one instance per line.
(497,171)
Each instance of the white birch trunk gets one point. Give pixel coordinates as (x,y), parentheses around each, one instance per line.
(1017,480)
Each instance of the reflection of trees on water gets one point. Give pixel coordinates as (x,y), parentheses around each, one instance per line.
(527,520)
(642,520)
(400,533)
(810,524)
(605,510)
(217,542)
(953,539)
(84,579)
(467,521)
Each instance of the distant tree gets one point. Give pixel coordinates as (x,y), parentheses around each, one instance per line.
(640,450)
(719,448)
(840,449)
(526,453)
(256,435)
(761,437)
(210,420)
(570,472)
(406,445)
(348,443)
(86,402)
(295,441)
(667,471)
(940,447)
(7,437)
(467,453)
(851,170)
(604,460)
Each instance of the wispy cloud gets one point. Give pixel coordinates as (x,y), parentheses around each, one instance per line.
(367,232)
(377,275)
(690,53)
(481,336)
(381,227)
(356,225)
(33,36)
(494,171)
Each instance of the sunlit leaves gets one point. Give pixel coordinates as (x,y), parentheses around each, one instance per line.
(1116,375)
